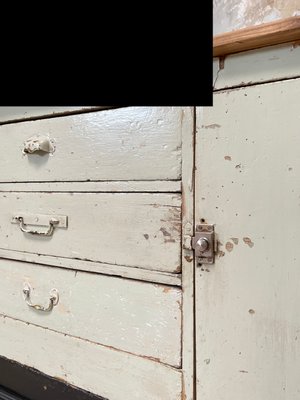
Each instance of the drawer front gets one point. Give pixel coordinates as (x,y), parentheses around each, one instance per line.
(132,316)
(112,374)
(134,143)
(131,229)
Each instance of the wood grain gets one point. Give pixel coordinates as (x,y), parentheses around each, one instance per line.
(268,34)
(109,373)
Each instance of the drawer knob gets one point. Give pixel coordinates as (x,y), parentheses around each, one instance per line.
(37,143)
(53,301)
(49,232)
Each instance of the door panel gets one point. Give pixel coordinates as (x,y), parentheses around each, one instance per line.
(248,185)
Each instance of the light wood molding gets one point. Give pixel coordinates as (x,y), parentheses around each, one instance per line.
(268,34)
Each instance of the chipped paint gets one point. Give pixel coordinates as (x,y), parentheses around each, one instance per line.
(227,158)
(251,311)
(229,246)
(211,126)
(165,232)
(235,240)
(248,241)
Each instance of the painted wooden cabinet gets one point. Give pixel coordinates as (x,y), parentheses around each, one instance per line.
(100,285)
(92,267)
(247,185)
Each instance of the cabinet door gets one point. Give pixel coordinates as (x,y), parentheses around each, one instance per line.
(248,302)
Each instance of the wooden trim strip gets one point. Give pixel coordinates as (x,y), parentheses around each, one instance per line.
(254,37)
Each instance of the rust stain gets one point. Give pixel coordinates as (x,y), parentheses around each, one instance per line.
(248,241)
(166,289)
(146,236)
(228,158)
(165,232)
(211,126)
(229,246)
(188,258)
(221,253)
(235,240)
(251,311)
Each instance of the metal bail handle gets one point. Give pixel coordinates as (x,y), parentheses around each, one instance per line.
(53,301)
(49,232)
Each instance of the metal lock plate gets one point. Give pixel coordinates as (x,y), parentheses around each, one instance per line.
(204,244)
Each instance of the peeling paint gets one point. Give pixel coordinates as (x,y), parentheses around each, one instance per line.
(229,246)
(248,241)
(165,232)
(211,126)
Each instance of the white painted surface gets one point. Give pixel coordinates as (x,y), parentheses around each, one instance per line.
(132,229)
(19,113)
(258,66)
(134,143)
(91,266)
(109,373)
(128,315)
(188,258)
(108,186)
(230,15)
(247,184)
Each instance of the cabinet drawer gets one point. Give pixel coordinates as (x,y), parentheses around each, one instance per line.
(132,316)
(110,373)
(134,143)
(132,229)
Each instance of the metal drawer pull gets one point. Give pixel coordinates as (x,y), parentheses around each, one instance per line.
(53,301)
(49,232)
(39,143)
